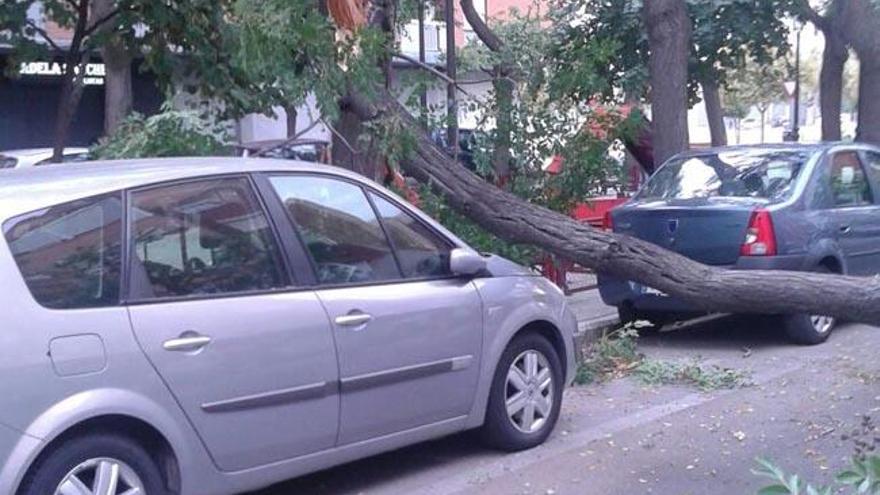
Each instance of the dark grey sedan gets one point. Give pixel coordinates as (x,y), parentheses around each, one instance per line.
(785,207)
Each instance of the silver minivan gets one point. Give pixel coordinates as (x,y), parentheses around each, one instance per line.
(215,325)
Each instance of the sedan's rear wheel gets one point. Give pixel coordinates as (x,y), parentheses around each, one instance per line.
(97,464)
(526,395)
(809,329)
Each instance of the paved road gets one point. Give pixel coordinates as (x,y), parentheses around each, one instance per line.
(623,437)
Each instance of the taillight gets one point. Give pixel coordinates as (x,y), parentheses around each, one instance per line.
(760,237)
(607,222)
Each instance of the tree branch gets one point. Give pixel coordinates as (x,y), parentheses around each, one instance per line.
(101,21)
(43,34)
(434,72)
(290,140)
(482,30)
(812,15)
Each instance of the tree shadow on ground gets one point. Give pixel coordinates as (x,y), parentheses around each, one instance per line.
(364,475)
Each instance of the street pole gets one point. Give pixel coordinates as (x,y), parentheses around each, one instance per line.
(795,127)
(451,103)
(423,98)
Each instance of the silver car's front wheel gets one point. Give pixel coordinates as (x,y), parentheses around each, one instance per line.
(526,394)
(529,392)
(101,476)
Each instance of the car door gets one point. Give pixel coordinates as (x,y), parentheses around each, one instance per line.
(408,334)
(249,358)
(871,165)
(853,212)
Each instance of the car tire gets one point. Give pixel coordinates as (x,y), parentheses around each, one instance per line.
(514,431)
(809,329)
(82,457)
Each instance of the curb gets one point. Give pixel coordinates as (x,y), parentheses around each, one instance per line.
(591,330)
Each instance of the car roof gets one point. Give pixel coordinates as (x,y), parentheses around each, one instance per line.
(31,189)
(820,146)
(20,153)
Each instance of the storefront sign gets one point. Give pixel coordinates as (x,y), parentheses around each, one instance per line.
(94,75)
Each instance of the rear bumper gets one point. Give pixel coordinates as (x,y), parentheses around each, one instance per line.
(617,292)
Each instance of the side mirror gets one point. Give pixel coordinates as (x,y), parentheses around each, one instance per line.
(466,262)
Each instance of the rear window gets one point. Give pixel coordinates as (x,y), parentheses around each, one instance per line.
(69,255)
(751,173)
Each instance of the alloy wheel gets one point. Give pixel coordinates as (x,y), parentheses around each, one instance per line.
(101,476)
(529,391)
(822,324)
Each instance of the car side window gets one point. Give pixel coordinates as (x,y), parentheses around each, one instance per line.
(873,158)
(849,185)
(200,238)
(421,253)
(339,228)
(70,254)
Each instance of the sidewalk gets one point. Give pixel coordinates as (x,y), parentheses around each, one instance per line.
(593,316)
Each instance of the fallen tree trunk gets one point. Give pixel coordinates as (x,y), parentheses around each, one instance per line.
(708,288)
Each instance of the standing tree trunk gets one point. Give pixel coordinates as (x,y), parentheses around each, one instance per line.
(714,112)
(834,59)
(117,85)
(291,113)
(869,99)
(501,155)
(71,82)
(117,64)
(763,122)
(352,149)
(669,37)
(863,19)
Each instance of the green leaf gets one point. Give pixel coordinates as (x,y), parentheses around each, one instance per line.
(850,478)
(774,490)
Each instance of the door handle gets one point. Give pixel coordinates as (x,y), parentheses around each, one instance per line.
(353,320)
(845,229)
(187,342)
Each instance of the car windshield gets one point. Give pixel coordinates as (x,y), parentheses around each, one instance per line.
(750,173)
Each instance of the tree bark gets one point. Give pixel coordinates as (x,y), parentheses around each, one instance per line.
(705,287)
(863,18)
(350,148)
(501,155)
(71,83)
(118,97)
(117,64)
(291,112)
(834,58)
(869,99)
(714,112)
(669,37)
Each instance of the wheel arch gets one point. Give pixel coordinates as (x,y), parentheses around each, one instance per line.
(541,326)
(136,429)
(118,410)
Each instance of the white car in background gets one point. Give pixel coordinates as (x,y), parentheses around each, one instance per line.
(39,156)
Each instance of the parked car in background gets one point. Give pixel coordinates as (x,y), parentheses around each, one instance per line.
(781,207)
(307,150)
(39,156)
(209,326)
